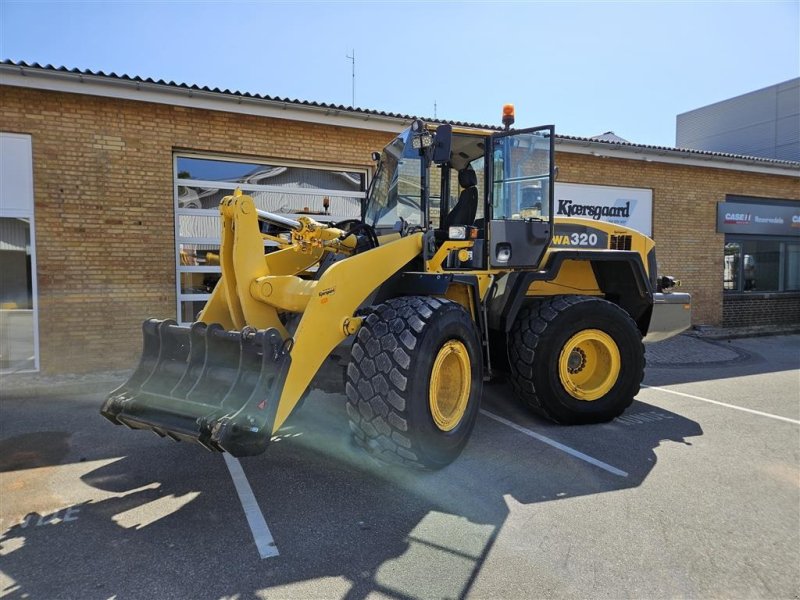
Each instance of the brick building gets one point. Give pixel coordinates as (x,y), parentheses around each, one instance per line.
(109,187)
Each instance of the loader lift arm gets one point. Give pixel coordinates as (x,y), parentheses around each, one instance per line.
(229,380)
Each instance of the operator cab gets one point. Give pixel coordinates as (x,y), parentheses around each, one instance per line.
(494,188)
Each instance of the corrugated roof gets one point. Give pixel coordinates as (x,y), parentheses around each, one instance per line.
(611,142)
(671,149)
(185,86)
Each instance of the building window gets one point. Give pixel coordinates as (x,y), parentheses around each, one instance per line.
(201,181)
(731,279)
(761,265)
(19,336)
(792,266)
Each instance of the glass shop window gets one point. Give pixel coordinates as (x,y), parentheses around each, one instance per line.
(761,265)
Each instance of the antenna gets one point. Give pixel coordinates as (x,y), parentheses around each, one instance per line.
(353,63)
(434,109)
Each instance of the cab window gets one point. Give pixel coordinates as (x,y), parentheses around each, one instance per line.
(521,164)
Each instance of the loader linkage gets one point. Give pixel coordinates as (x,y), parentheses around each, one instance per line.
(205,384)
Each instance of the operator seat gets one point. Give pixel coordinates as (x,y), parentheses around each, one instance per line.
(464,211)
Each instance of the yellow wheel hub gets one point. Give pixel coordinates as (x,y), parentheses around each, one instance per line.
(450,385)
(589,364)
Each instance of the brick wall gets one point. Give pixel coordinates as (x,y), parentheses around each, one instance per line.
(105,225)
(103,197)
(745,310)
(684,215)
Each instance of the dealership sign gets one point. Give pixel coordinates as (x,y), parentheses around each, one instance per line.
(769,219)
(632,207)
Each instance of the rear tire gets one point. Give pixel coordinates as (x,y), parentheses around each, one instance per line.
(576,359)
(395,412)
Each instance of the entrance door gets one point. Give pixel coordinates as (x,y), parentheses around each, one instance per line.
(521,196)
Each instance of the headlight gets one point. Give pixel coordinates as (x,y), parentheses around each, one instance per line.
(423,140)
(457,233)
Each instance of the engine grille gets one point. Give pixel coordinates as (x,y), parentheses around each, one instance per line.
(620,242)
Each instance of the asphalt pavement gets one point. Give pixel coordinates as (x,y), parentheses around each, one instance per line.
(693,492)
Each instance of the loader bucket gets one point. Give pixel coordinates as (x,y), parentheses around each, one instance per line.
(203,383)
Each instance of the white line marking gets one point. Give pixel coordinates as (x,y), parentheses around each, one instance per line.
(557,445)
(742,408)
(255,518)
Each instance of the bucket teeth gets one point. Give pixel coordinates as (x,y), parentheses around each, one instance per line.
(203,383)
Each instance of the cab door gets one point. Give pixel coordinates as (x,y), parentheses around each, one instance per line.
(520,196)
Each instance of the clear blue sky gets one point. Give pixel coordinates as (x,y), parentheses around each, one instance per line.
(586,67)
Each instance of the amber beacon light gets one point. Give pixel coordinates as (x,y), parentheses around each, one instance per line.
(508,115)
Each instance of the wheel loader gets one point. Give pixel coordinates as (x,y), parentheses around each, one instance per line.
(457,272)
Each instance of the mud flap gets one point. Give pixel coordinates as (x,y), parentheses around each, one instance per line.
(203,383)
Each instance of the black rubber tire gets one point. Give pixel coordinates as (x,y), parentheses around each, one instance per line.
(541,330)
(388,379)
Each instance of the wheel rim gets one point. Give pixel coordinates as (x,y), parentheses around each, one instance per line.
(589,364)
(450,385)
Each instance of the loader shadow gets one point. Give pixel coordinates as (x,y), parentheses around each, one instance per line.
(345,526)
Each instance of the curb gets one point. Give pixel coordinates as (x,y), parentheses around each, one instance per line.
(50,390)
(56,387)
(743,332)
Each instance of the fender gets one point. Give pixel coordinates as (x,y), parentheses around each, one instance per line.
(620,274)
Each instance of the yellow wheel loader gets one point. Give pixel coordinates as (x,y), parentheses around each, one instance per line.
(457,271)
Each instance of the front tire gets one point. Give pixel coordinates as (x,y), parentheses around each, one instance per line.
(576,359)
(414,381)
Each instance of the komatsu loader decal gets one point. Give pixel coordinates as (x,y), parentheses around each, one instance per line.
(568,235)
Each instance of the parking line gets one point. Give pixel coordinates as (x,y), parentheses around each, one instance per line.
(725,404)
(557,445)
(255,518)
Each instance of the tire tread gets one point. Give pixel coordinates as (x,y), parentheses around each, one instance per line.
(531,323)
(391,331)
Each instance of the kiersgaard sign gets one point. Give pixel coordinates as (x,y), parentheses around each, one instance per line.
(632,207)
(769,219)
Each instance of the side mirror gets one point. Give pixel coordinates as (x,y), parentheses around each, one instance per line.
(555,172)
(376,157)
(441,144)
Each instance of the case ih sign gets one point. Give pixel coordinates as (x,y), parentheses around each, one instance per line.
(762,219)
